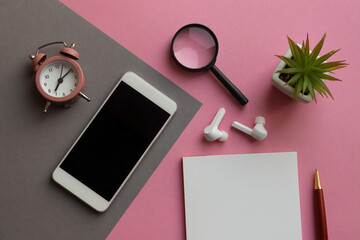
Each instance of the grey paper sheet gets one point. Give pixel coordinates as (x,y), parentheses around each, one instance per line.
(32,206)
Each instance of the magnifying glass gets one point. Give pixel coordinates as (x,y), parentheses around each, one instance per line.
(194,48)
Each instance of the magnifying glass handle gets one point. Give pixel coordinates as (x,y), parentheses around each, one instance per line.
(229,86)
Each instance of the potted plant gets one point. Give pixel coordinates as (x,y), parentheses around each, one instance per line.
(301,73)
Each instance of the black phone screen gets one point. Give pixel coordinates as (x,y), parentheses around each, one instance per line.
(114,141)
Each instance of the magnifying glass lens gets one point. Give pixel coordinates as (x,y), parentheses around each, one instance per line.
(194,47)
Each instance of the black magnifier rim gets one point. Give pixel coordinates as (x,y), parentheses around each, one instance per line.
(211,63)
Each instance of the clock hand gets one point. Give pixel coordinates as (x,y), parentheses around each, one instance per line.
(62,66)
(67,73)
(60,80)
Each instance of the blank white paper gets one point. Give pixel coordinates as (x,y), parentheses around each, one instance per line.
(245,196)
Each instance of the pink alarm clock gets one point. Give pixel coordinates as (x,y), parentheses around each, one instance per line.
(59,79)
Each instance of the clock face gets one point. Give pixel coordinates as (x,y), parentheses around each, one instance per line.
(59,78)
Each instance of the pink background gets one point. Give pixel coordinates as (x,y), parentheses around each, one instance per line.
(325,135)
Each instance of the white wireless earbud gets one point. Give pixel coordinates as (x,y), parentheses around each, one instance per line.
(258,132)
(212,132)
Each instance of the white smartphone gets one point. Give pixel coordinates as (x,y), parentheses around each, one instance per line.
(114,142)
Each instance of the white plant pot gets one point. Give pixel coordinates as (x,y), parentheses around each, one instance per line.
(282,86)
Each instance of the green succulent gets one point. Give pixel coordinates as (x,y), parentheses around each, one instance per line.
(307,70)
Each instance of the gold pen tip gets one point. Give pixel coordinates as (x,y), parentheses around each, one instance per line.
(317,180)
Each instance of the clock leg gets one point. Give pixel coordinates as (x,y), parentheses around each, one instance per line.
(47,105)
(84,96)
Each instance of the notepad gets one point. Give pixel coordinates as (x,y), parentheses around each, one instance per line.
(245,196)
